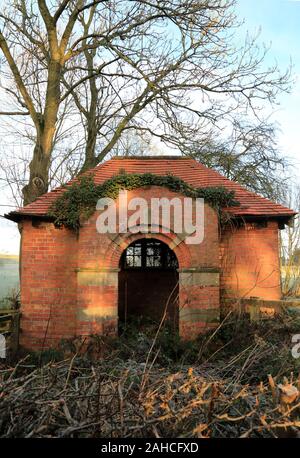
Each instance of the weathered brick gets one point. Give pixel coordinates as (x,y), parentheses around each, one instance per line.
(69,283)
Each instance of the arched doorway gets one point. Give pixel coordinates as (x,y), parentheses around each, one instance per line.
(148,284)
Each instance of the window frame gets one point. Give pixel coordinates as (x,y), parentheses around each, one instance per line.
(168,259)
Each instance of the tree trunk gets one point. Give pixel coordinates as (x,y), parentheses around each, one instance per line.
(38,179)
(90,156)
(46,126)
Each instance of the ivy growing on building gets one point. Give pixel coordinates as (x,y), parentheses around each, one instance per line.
(79,200)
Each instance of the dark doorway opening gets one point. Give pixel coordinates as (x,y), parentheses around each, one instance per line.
(148,284)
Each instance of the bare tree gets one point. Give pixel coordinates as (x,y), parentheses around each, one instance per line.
(290,246)
(166,68)
(248,155)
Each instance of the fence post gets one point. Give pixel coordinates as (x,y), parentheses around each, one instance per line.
(15,329)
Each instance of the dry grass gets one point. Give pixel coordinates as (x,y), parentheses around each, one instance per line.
(290,276)
(73,399)
(196,391)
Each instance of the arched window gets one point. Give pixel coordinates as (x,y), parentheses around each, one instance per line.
(149,254)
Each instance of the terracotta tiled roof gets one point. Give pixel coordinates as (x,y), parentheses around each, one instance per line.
(187,169)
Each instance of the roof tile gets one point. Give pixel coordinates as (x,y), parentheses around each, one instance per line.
(187,169)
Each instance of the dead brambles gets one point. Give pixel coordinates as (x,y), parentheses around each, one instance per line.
(134,386)
(81,398)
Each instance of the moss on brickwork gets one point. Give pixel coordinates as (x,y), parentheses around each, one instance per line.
(79,200)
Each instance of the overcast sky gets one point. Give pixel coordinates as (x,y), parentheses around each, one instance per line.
(279,21)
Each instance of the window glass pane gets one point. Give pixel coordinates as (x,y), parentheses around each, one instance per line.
(133,261)
(130,251)
(171,260)
(149,254)
(129,261)
(154,261)
(137,261)
(137,250)
(150,251)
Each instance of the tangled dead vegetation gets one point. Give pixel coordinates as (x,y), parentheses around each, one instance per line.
(123,393)
(76,399)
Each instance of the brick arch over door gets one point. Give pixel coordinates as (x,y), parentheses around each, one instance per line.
(198,302)
(122,241)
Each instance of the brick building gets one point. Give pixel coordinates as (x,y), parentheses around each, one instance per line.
(85,283)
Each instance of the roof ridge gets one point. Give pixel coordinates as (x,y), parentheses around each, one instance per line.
(190,170)
(158,157)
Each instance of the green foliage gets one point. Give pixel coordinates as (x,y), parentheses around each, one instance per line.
(79,200)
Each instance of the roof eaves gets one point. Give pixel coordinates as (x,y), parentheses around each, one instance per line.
(17,216)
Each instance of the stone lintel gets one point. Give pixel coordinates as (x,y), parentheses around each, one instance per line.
(97,269)
(97,278)
(97,313)
(199,278)
(200,269)
(199,315)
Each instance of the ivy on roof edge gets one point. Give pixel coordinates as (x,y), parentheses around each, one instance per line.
(79,200)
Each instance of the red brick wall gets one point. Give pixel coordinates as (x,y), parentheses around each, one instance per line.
(250,262)
(69,283)
(48,284)
(98,253)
